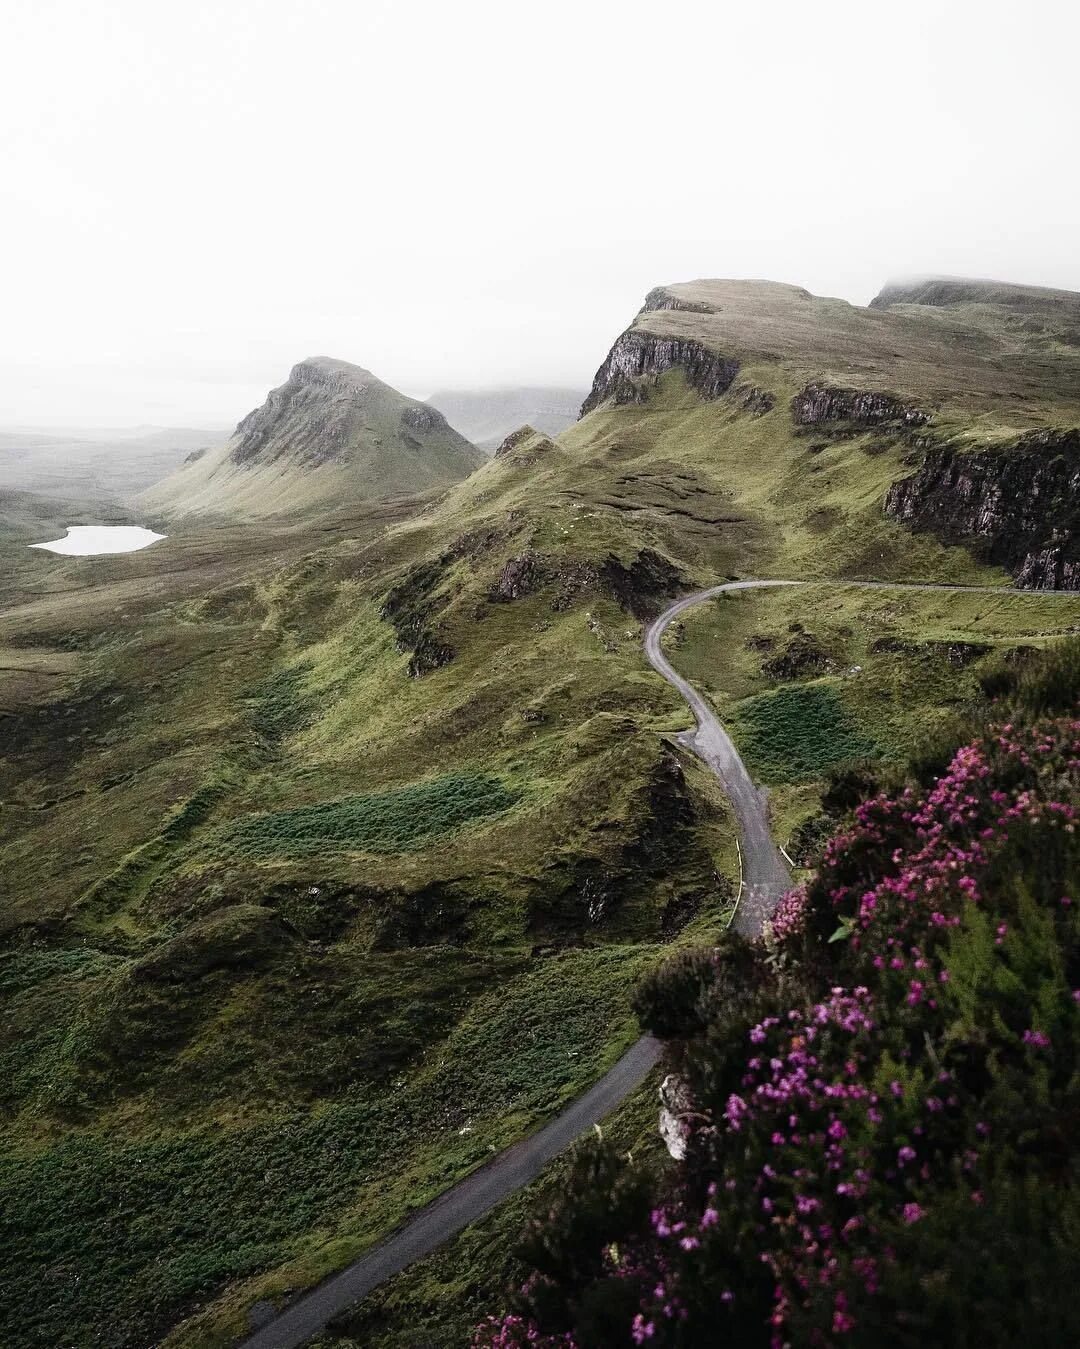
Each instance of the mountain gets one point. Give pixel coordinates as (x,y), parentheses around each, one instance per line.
(329,857)
(487,416)
(331,434)
(950,292)
(95,465)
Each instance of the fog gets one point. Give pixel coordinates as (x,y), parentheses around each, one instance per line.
(194,195)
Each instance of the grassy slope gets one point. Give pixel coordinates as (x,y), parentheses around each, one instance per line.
(228,1068)
(809,679)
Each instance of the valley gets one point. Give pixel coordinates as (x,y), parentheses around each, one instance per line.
(338,825)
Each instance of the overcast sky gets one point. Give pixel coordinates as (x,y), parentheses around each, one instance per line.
(194,194)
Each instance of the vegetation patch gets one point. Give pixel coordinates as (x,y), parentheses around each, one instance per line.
(278,707)
(382,822)
(797,734)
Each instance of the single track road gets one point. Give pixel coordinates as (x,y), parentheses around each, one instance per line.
(765,876)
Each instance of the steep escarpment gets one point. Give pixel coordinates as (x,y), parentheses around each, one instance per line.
(330,435)
(819,403)
(640,357)
(1017,505)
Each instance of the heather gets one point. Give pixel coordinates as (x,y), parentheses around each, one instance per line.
(880,1096)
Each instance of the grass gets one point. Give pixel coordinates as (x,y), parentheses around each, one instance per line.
(378,822)
(797,734)
(438,1301)
(147,1224)
(896,663)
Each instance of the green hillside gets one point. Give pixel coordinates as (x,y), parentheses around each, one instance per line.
(329,856)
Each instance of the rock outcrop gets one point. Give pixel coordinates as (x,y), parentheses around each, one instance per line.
(639,358)
(524,446)
(519,577)
(819,403)
(642,586)
(1016,506)
(676,1115)
(662,298)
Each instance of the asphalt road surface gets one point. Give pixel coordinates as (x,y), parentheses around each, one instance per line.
(765,879)
(764,873)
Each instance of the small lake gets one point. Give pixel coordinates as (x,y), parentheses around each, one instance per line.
(93,540)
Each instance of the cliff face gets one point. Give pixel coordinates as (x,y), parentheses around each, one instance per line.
(639,358)
(824,403)
(1016,506)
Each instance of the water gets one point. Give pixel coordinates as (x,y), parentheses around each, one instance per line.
(93,540)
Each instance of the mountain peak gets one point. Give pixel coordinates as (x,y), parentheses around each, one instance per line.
(317,369)
(366,440)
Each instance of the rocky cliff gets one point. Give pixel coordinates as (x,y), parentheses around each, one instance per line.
(819,403)
(1017,506)
(639,358)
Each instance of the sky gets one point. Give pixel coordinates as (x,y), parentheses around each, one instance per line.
(194,195)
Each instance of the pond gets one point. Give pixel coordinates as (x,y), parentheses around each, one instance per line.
(93,540)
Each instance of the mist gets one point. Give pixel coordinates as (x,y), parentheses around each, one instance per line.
(196,196)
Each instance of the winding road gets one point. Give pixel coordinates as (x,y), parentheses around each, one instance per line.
(765,879)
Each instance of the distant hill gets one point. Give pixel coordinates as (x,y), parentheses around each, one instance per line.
(487,416)
(949,292)
(332,433)
(92,464)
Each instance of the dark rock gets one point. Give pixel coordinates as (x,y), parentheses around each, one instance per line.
(420,417)
(642,586)
(754,400)
(803,657)
(520,576)
(410,608)
(819,403)
(513,440)
(525,446)
(1015,506)
(639,358)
